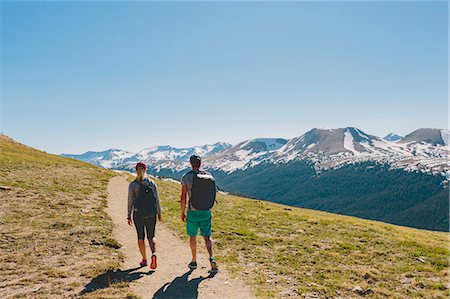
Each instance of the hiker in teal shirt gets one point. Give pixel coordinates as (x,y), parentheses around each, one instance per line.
(198,193)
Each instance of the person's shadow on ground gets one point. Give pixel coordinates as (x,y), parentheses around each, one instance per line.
(111,277)
(181,287)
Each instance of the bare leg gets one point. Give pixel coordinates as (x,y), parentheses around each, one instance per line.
(193,243)
(208,243)
(141,245)
(152,243)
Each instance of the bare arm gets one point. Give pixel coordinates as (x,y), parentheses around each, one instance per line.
(183,201)
(130,200)
(130,203)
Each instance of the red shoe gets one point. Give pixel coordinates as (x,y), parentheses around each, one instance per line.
(153,264)
(143,263)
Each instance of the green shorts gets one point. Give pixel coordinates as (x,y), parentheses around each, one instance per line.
(199,220)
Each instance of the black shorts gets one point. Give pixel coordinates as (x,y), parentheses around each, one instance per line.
(142,226)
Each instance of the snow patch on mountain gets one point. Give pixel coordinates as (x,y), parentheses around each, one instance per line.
(362,134)
(348,143)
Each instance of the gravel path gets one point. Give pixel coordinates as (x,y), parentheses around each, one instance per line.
(172,278)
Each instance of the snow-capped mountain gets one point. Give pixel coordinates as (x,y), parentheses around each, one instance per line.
(346,171)
(423,150)
(330,142)
(154,156)
(245,154)
(169,153)
(108,159)
(392,137)
(316,145)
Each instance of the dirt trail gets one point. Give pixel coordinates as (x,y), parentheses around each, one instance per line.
(172,278)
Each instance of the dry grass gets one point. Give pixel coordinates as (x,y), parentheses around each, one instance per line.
(291,252)
(55,236)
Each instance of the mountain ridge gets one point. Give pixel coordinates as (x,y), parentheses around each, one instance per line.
(422,149)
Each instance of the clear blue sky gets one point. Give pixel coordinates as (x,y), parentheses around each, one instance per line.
(80,76)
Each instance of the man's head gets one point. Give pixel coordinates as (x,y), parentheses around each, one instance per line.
(196,161)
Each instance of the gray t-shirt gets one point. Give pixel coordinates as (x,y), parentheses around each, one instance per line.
(187,180)
(133,192)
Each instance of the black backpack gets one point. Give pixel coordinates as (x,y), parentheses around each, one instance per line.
(146,201)
(203,191)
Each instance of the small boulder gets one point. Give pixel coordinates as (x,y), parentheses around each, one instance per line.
(358,290)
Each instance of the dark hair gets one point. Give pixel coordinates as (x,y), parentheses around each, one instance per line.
(195,160)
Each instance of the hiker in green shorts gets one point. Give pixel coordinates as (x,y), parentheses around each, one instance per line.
(198,190)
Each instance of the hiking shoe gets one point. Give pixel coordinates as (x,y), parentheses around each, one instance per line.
(192,265)
(213,263)
(153,264)
(143,263)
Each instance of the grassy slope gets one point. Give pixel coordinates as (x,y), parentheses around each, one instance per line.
(286,251)
(48,219)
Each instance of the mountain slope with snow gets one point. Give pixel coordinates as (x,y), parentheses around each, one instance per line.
(110,158)
(343,170)
(424,150)
(169,153)
(245,154)
(434,137)
(119,159)
(332,148)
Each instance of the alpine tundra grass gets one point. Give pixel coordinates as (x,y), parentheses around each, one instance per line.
(55,237)
(284,251)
